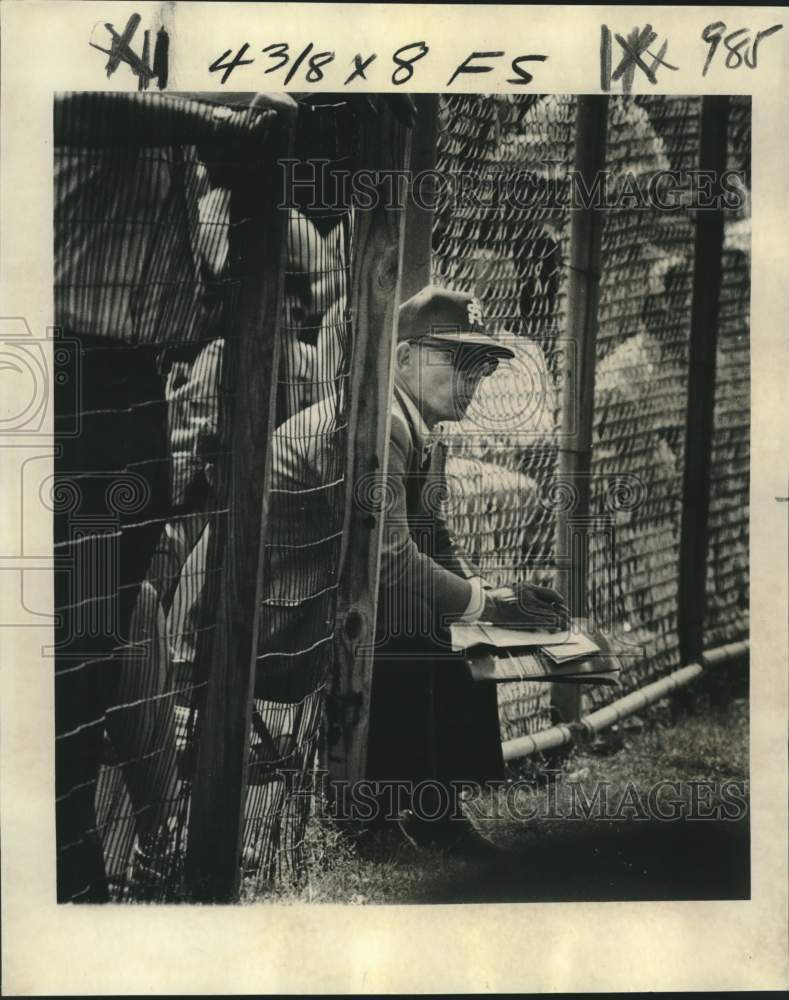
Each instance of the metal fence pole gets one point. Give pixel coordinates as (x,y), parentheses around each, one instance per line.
(251,355)
(577,407)
(707,271)
(376,271)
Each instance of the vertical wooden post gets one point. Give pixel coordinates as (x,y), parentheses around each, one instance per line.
(251,356)
(707,271)
(418,240)
(575,444)
(375,291)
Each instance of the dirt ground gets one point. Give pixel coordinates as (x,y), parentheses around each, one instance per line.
(653,809)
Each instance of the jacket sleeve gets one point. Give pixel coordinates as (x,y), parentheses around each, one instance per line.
(410,578)
(448,553)
(99,118)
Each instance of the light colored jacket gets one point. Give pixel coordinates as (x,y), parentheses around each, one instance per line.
(423,575)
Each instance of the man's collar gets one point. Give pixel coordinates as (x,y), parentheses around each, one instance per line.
(413,411)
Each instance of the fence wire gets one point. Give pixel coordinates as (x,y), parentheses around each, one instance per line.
(145,297)
(515,259)
(641,386)
(501,231)
(146,292)
(306,500)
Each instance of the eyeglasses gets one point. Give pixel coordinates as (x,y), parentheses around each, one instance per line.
(481,367)
(468,361)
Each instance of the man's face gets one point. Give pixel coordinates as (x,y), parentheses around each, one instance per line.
(445,378)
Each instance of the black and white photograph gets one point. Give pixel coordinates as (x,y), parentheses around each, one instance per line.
(383,407)
(398,477)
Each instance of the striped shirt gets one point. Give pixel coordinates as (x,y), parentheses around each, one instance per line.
(126,237)
(139,240)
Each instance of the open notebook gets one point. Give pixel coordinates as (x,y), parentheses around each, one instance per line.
(567,644)
(500,654)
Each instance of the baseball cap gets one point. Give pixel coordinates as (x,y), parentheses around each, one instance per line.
(439,314)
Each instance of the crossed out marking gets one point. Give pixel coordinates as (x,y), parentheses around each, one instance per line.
(633,47)
(120,50)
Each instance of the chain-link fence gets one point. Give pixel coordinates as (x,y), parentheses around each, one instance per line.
(501,231)
(641,384)
(159,482)
(513,252)
(727,565)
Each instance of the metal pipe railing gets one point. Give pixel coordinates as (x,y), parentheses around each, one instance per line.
(562,734)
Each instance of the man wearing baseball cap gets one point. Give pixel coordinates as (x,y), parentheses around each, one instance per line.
(429,722)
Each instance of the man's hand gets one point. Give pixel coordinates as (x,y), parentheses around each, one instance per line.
(239,134)
(526,606)
(98,118)
(239,131)
(283,104)
(241,101)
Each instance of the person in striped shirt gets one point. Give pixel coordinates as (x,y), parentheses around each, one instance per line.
(129,170)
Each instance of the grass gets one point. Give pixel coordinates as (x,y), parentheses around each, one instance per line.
(550,854)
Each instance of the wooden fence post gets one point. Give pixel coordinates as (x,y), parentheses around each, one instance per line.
(707,273)
(577,410)
(418,239)
(375,289)
(251,356)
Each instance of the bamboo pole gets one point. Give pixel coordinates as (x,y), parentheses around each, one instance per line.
(707,271)
(577,405)
(546,739)
(562,735)
(731,651)
(636,700)
(258,242)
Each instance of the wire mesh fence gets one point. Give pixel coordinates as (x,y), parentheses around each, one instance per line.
(151,266)
(306,500)
(727,567)
(501,230)
(515,258)
(148,723)
(146,295)
(641,385)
